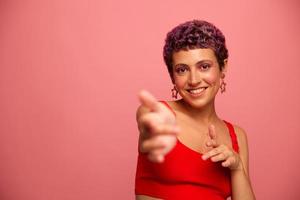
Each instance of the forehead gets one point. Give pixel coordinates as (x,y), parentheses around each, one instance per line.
(193,56)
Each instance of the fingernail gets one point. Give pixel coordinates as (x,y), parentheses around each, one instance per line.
(204,157)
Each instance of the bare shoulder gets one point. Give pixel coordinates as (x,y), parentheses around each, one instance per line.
(241,135)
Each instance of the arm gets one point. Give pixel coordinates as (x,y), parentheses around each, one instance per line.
(142,110)
(240,181)
(157,126)
(236,162)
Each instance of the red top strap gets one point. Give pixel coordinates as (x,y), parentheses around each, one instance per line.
(234,141)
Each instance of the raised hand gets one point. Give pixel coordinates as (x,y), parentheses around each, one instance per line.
(220,152)
(159,126)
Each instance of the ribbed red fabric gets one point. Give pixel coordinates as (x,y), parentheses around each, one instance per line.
(184,175)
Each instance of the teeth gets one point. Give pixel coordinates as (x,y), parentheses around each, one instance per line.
(196,91)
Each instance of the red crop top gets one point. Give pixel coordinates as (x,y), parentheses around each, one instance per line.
(184,175)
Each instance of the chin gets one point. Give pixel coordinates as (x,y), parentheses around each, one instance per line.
(197,102)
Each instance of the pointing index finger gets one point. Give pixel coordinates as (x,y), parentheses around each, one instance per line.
(148,100)
(212,136)
(212,132)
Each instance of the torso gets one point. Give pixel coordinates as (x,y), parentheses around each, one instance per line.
(194,135)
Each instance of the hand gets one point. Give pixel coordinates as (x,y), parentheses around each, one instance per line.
(160,127)
(220,152)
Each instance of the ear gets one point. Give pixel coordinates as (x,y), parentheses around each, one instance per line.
(224,69)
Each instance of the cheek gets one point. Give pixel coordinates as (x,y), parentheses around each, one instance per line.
(180,81)
(212,78)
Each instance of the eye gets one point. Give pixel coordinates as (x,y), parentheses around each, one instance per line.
(204,66)
(181,70)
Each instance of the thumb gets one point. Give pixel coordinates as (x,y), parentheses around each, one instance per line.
(148,100)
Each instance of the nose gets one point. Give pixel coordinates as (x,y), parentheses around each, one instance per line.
(194,78)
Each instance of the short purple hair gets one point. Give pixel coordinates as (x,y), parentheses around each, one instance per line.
(191,35)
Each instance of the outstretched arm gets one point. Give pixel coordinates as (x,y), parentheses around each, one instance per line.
(157,126)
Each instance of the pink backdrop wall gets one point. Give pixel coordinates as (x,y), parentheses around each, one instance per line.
(70,71)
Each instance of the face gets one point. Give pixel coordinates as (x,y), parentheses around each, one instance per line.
(197,76)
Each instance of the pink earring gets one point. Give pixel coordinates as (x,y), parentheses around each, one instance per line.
(174,92)
(223,86)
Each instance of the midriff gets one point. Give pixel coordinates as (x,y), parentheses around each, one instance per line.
(144,197)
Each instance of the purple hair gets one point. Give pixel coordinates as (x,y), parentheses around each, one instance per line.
(191,35)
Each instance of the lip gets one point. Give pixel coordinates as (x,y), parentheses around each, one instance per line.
(196,92)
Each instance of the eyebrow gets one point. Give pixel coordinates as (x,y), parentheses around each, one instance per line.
(199,62)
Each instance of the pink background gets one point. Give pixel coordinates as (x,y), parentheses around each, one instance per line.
(70,71)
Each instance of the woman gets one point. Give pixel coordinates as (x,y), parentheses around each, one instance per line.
(185,150)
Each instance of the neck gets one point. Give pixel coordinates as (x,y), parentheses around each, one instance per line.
(206,115)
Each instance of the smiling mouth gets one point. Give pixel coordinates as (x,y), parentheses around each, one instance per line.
(197,91)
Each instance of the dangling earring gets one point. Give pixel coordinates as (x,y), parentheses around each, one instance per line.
(223,86)
(174,92)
